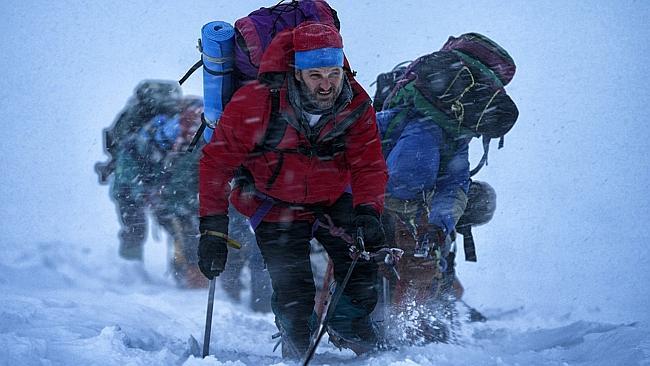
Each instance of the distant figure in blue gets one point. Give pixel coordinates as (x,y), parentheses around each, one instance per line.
(151,175)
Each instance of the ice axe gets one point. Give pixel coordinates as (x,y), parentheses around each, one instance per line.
(208,316)
(356,251)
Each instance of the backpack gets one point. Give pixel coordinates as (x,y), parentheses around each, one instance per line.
(252,35)
(158,94)
(386,82)
(461,88)
(150,98)
(171,133)
(168,133)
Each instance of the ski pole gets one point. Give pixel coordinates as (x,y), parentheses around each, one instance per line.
(208,317)
(358,251)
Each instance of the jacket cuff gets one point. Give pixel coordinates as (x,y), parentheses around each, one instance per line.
(217,223)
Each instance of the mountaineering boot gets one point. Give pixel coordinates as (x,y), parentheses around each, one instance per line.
(294,347)
(351,326)
(291,351)
(439,312)
(364,337)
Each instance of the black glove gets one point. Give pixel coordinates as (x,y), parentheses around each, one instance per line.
(213,249)
(367,218)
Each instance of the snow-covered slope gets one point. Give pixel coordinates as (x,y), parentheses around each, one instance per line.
(67,304)
(563,266)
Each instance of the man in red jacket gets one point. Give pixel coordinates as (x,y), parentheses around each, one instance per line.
(298,142)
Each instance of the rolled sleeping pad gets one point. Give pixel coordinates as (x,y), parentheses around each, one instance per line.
(218,47)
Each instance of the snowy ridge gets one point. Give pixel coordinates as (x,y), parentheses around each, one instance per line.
(57,311)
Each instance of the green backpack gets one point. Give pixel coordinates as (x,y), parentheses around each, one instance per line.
(461,88)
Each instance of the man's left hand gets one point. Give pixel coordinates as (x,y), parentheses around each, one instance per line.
(367,218)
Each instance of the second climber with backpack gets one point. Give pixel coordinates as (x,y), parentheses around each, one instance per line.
(429,112)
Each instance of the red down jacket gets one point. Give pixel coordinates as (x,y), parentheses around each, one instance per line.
(302,180)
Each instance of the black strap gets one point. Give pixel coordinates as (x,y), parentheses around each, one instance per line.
(204,122)
(341,127)
(279,9)
(218,73)
(276,127)
(273,135)
(484,158)
(276,171)
(190,71)
(199,133)
(468,243)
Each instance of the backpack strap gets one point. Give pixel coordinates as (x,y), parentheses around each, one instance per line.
(484,158)
(276,126)
(341,127)
(468,243)
(273,135)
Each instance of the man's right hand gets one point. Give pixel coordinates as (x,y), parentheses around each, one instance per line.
(213,249)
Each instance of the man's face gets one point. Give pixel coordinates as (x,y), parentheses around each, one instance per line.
(321,85)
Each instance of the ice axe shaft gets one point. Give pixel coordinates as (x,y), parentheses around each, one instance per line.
(208,319)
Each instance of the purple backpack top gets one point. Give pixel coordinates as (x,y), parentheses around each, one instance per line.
(254,33)
(485,50)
